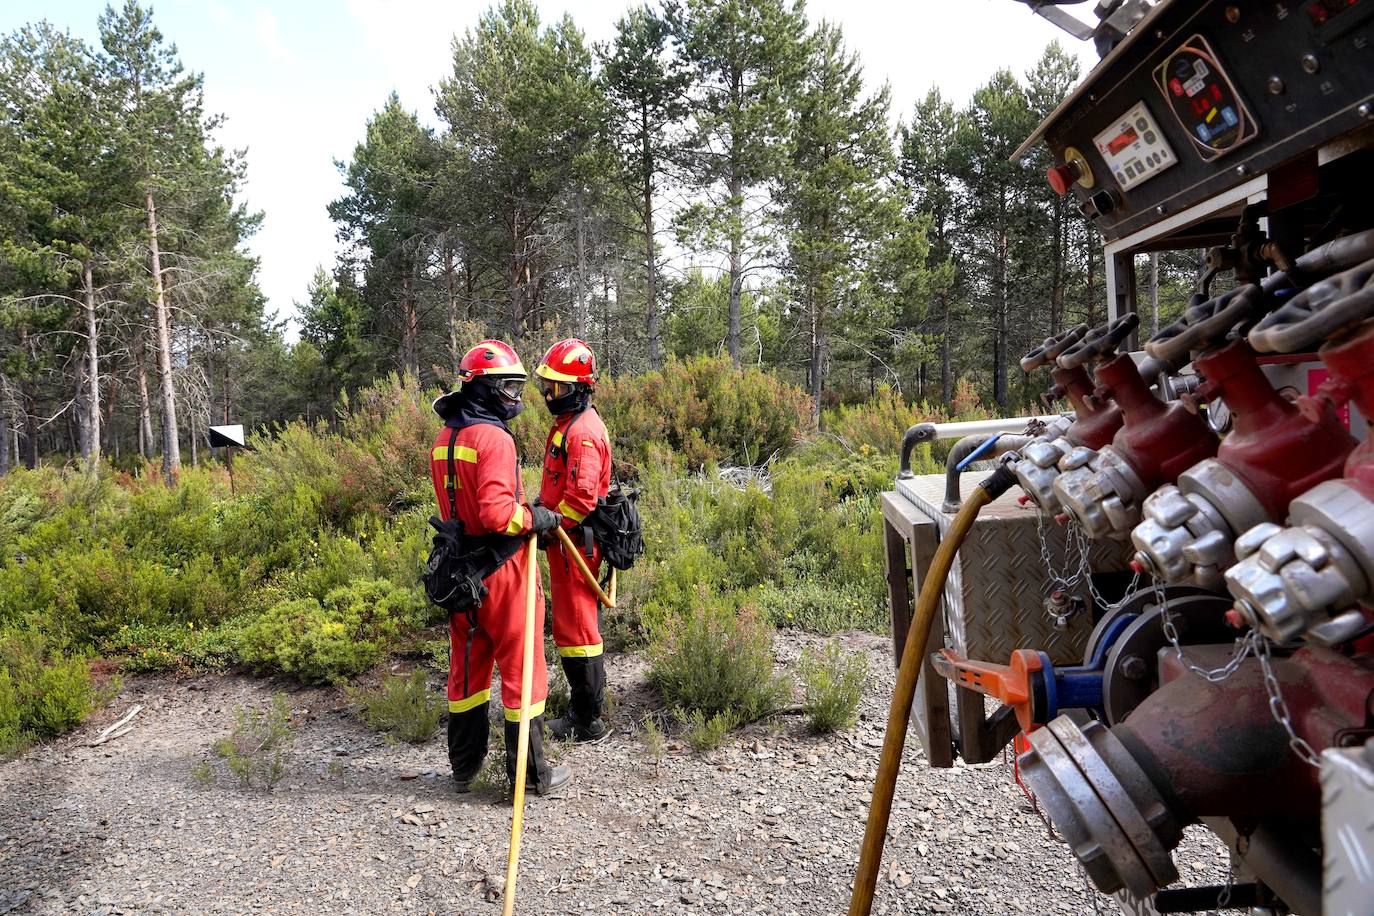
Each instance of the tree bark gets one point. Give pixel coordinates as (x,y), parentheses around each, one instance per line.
(171,444)
(1154,293)
(999,352)
(92,366)
(145,407)
(4,427)
(454,354)
(410,330)
(580,315)
(736,268)
(1057,275)
(816,367)
(650,260)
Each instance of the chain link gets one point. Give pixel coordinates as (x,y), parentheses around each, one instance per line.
(1279,708)
(1244,644)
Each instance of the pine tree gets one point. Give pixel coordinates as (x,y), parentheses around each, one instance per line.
(521,108)
(161,139)
(384,217)
(745,57)
(837,203)
(647,85)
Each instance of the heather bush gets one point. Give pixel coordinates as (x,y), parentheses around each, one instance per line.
(44,691)
(832,686)
(704,411)
(402,707)
(715,657)
(329,640)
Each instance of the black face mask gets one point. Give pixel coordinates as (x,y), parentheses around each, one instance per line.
(477,402)
(572,402)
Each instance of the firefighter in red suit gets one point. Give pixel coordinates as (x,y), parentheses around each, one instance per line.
(577,472)
(486,494)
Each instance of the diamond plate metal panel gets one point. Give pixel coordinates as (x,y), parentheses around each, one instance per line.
(1348,831)
(994,597)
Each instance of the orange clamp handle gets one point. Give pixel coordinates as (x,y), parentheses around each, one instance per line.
(1009,683)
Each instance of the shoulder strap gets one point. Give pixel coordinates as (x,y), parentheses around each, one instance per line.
(451,481)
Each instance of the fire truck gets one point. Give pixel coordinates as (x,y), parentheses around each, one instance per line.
(1163,597)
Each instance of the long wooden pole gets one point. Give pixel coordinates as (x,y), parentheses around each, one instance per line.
(572,550)
(523,750)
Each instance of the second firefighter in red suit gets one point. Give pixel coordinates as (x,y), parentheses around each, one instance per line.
(577,472)
(477,477)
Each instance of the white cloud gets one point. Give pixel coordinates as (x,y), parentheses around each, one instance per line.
(269,36)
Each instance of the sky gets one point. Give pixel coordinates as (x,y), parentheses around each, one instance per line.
(298,80)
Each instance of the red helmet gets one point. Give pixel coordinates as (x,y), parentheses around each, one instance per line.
(490,357)
(568,360)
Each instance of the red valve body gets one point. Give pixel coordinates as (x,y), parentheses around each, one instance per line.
(1096,418)
(1276,449)
(1351,362)
(1158,440)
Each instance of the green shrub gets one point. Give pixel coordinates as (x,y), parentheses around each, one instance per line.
(330,640)
(44,692)
(706,411)
(259,748)
(655,744)
(879,422)
(402,707)
(706,733)
(832,686)
(716,658)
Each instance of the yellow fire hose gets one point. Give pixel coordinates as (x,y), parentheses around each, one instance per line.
(913,657)
(523,749)
(571,549)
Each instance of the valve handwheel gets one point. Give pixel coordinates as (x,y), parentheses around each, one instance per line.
(1099,344)
(1318,312)
(1049,351)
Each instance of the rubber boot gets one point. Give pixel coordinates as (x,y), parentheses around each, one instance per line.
(467,745)
(540,778)
(587,687)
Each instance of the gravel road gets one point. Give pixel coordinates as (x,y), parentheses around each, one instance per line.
(769,824)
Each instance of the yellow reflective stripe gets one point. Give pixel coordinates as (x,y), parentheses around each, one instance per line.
(460,453)
(472,702)
(588,442)
(557,438)
(580,651)
(517,520)
(536,709)
(569,512)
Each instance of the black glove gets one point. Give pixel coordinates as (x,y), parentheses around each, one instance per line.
(542,519)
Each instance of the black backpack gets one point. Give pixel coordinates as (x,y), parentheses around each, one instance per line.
(459,562)
(615,525)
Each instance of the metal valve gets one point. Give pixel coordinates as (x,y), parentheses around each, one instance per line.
(1100,344)
(1049,351)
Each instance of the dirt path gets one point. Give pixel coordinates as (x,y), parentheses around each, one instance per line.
(770,824)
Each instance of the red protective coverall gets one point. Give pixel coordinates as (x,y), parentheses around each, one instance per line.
(577,471)
(489,500)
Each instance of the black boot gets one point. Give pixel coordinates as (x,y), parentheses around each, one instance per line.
(540,778)
(467,744)
(587,687)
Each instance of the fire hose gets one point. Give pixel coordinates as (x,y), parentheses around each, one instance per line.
(913,657)
(523,749)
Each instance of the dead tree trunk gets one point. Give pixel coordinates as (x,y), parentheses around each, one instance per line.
(171,444)
(92,367)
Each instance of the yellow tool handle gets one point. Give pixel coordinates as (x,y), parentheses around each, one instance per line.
(576,554)
(523,749)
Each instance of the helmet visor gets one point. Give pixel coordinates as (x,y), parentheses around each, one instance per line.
(510,386)
(553,390)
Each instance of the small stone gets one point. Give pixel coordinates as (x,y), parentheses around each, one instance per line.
(409,775)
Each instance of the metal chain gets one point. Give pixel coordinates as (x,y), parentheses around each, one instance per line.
(1237,855)
(1059,579)
(1279,708)
(1244,644)
(1088,887)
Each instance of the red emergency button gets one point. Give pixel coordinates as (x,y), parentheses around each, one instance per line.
(1063,177)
